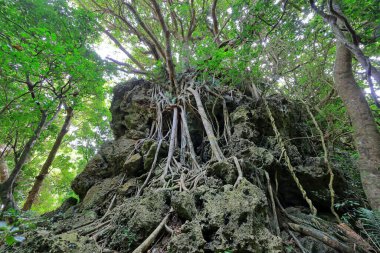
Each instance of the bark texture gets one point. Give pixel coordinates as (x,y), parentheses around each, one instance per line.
(4,174)
(6,188)
(45,168)
(366,133)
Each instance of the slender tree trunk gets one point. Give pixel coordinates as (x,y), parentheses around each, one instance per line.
(366,133)
(45,168)
(6,188)
(4,173)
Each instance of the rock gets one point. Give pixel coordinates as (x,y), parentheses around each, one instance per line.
(241,114)
(224,171)
(149,149)
(94,171)
(128,188)
(314,177)
(245,131)
(234,219)
(115,152)
(135,220)
(184,205)
(133,165)
(70,242)
(131,111)
(97,194)
(256,157)
(190,240)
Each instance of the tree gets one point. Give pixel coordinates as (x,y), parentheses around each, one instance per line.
(367,135)
(43,50)
(49,160)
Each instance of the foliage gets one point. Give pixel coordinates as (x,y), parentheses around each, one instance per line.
(369,222)
(14,225)
(46,62)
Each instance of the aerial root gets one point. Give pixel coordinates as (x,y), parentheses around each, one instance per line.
(326,161)
(216,151)
(270,191)
(240,172)
(287,159)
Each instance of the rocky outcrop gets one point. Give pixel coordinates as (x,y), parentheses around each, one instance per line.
(213,216)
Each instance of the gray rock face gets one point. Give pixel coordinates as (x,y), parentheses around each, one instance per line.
(215,216)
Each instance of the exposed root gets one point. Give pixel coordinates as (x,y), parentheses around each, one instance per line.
(326,161)
(189,142)
(217,153)
(287,159)
(303,250)
(148,241)
(321,236)
(240,172)
(173,137)
(226,117)
(270,191)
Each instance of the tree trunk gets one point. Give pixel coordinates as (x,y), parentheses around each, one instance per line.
(6,188)
(366,133)
(4,174)
(45,168)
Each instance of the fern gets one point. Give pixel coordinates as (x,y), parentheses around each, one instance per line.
(369,222)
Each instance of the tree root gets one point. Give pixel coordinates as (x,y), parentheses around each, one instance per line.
(321,236)
(144,246)
(172,145)
(326,161)
(287,159)
(270,191)
(217,153)
(240,172)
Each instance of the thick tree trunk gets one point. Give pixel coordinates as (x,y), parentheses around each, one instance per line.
(6,188)
(45,168)
(366,133)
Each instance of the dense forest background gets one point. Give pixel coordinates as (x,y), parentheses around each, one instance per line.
(55,88)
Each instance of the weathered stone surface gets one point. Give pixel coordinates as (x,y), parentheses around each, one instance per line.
(133,165)
(98,193)
(190,240)
(70,242)
(184,205)
(136,219)
(131,110)
(149,149)
(228,219)
(212,217)
(224,171)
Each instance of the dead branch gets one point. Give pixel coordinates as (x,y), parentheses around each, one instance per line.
(321,236)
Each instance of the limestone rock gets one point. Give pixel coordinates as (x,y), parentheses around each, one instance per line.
(184,205)
(133,165)
(224,171)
